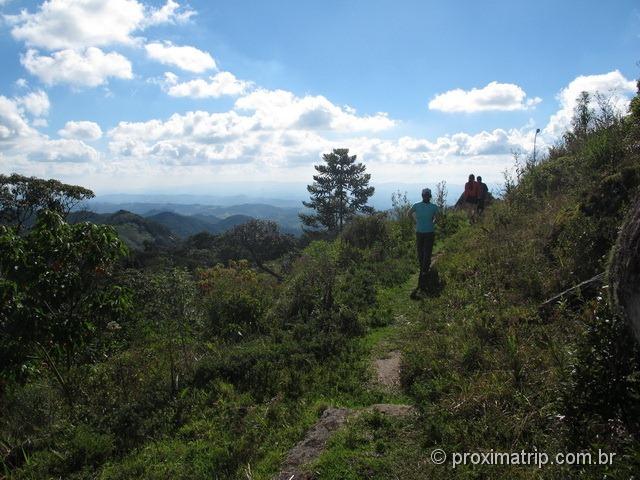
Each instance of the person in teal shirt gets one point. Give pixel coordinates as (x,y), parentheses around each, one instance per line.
(425,214)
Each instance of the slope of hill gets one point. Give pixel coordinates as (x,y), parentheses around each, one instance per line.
(185,226)
(161,229)
(493,365)
(135,230)
(229,222)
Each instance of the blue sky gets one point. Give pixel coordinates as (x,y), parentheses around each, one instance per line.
(133,96)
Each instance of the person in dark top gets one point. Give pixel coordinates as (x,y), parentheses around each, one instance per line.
(425,213)
(483,193)
(470,197)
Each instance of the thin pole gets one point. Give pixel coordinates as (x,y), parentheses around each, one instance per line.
(534,144)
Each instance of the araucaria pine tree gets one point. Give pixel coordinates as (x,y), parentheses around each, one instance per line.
(339,191)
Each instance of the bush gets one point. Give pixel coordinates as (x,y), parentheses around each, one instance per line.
(236,299)
(367,231)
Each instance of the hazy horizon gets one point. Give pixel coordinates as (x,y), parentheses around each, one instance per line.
(277,194)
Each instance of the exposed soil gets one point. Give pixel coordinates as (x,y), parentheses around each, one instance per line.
(388,370)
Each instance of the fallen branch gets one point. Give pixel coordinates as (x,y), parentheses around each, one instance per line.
(597,278)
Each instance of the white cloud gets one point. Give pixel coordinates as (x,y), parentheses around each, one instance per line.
(21,143)
(12,124)
(88,68)
(184,57)
(171,12)
(203,138)
(62,24)
(62,151)
(280,109)
(35,103)
(493,97)
(613,85)
(222,83)
(74,24)
(82,130)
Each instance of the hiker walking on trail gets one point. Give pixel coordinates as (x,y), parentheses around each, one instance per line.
(425,213)
(483,193)
(470,197)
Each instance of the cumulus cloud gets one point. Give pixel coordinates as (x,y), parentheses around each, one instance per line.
(203,138)
(12,124)
(63,24)
(171,12)
(493,97)
(612,85)
(273,127)
(280,109)
(75,24)
(222,83)
(184,57)
(62,151)
(88,68)
(35,103)
(82,130)
(19,142)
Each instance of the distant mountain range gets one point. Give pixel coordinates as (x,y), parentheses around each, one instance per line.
(286,217)
(165,225)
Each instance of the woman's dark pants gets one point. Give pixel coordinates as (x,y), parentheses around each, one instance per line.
(424,244)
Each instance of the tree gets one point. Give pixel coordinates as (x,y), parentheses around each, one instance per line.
(582,121)
(56,292)
(262,241)
(441,196)
(21,198)
(339,191)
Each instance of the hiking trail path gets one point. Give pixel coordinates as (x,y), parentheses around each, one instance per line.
(386,365)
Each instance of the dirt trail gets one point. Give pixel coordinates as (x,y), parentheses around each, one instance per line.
(314,442)
(387,375)
(388,370)
(316,438)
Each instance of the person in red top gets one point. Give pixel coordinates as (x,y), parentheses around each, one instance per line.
(470,197)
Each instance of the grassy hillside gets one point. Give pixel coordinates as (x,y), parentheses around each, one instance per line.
(489,369)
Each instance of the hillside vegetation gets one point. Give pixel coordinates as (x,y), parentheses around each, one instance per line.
(214,363)
(492,370)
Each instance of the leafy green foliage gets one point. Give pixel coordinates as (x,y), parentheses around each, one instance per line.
(261,241)
(56,289)
(235,299)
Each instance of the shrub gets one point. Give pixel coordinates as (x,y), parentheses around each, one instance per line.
(367,231)
(236,299)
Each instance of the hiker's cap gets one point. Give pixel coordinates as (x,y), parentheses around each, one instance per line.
(426,192)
